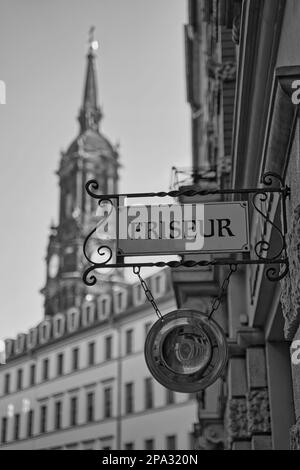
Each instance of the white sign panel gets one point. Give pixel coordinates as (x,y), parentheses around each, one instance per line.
(216,227)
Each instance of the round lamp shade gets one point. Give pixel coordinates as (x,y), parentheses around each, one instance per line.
(186,351)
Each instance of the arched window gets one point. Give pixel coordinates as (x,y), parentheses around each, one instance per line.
(138,295)
(103,307)
(72,319)
(88,313)
(158,283)
(120,300)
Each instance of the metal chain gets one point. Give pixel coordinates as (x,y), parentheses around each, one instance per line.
(217,302)
(148,293)
(215,305)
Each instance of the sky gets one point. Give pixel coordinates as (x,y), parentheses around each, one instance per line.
(142,91)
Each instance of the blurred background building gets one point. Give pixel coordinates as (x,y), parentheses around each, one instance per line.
(78,380)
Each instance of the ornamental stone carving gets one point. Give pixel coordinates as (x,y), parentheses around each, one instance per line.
(212,438)
(237,423)
(227,72)
(290,285)
(258,412)
(295,436)
(236,28)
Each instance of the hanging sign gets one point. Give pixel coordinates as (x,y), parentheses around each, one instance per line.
(186,351)
(215,227)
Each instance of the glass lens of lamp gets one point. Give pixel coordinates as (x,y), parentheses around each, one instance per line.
(186,350)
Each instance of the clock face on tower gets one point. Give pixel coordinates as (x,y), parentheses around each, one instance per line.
(53,265)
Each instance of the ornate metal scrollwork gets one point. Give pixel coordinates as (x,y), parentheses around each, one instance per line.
(277,262)
(269,178)
(104,251)
(263,246)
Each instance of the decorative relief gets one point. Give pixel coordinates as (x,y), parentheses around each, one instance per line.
(236,27)
(295,436)
(227,72)
(237,423)
(225,165)
(212,438)
(258,412)
(290,285)
(208,433)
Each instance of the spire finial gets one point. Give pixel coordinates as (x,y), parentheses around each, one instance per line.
(93,44)
(90,114)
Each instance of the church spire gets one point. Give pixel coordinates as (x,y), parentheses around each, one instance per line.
(90,114)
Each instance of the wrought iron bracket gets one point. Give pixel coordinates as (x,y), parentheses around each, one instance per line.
(271,184)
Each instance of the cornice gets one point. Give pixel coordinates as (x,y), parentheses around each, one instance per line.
(280,124)
(259,41)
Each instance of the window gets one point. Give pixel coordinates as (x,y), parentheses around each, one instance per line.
(129,341)
(60,364)
(19,379)
(171,442)
(32,374)
(120,300)
(137,294)
(17,427)
(129,446)
(58,407)
(129,397)
(108,348)
(170,398)
(104,304)
(4,430)
(158,284)
(90,399)
(91,353)
(6,383)
(88,445)
(148,393)
(45,369)
(72,446)
(30,416)
(147,328)
(75,357)
(73,411)
(43,419)
(107,402)
(192,441)
(104,307)
(149,444)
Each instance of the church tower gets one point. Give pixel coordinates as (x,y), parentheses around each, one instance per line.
(90,156)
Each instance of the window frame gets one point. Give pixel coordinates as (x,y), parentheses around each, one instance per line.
(129,398)
(129,341)
(90,407)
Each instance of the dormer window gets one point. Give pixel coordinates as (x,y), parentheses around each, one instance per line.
(138,295)
(104,307)
(120,301)
(159,284)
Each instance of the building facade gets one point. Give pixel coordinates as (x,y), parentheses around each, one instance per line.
(211,80)
(86,385)
(78,380)
(242,76)
(266,139)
